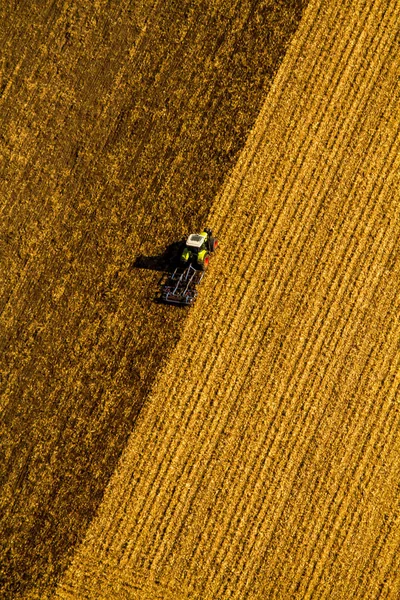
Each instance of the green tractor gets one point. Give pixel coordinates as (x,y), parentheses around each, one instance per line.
(198,248)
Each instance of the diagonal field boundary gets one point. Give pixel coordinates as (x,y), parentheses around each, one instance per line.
(119,123)
(265,463)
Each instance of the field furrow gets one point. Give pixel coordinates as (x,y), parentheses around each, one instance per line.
(265,464)
(120,121)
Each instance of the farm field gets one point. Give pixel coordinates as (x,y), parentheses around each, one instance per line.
(120,121)
(265,463)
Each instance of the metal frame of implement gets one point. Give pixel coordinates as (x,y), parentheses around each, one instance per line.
(180,287)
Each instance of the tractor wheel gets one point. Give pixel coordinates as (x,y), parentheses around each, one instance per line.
(205,262)
(213,244)
(185,257)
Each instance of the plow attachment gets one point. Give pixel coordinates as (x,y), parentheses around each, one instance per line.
(180,287)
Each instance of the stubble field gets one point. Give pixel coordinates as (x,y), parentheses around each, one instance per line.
(265,460)
(119,123)
(265,463)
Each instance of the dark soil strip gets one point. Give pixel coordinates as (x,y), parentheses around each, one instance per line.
(119,125)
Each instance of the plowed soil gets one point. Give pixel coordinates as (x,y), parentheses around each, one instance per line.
(119,122)
(265,463)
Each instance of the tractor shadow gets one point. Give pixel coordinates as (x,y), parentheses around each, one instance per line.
(164,263)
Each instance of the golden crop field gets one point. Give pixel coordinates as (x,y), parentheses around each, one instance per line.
(265,462)
(120,121)
(247,448)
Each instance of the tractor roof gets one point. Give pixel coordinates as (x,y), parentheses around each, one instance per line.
(195,240)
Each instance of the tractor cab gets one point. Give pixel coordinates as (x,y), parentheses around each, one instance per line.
(196,242)
(197,249)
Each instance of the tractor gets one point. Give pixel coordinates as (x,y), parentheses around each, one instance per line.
(180,286)
(198,248)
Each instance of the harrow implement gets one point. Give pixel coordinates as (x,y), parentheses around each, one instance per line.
(180,287)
